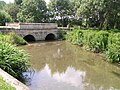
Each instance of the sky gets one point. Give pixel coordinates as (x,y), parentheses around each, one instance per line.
(8,1)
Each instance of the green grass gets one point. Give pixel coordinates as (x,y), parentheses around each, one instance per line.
(5,86)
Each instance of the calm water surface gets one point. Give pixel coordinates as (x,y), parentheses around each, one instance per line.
(61,66)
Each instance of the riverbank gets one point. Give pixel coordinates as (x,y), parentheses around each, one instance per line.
(13,60)
(7,82)
(106,42)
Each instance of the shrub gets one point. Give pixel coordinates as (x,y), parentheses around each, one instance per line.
(17,39)
(12,38)
(13,60)
(5,38)
(88,39)
(76,37)
(98,41)
(62,34)
(113,52)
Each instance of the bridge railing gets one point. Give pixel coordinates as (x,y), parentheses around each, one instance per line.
(38,26)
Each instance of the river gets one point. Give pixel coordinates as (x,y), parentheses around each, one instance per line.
(60,65)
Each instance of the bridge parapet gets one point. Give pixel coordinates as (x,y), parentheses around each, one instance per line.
(33,26)
(38,26)
(38,31)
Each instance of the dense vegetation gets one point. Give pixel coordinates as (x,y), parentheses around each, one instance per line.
(96,14)
(98,41)
(12,38)
(4,85)
(13,60)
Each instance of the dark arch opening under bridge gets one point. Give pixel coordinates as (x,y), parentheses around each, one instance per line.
(50,37)
(29,38)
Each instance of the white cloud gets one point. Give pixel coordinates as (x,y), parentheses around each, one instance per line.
(71,76)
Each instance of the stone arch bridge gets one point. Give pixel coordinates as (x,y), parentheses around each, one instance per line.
(34,31)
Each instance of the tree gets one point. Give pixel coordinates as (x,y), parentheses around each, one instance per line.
(13,10)
(33,11)
(89,11)
(2,4)
(111,15)
(60,10)
(4,17)
(18,2)
(103,14)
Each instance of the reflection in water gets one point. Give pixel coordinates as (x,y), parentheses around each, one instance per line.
(62,66)
(71,78)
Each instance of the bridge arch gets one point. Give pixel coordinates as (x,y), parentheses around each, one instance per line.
(29,38)
(50,36)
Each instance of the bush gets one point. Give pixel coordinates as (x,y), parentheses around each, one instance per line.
(75,36)
(62,34)
(98,41)
(92,40)
(88,39)
(13,60)
(5,38)
(12,38)
(113,52)
(17,39)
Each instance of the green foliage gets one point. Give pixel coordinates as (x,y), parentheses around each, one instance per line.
(33,11)
(76,37)
(98,41)
(12,9)
(98,13)
(4,17)
(18,2)
(13,60)
(61,9)
(62,34)
(12,38)
(2,5)
(4,85)
(88,40)
(17,39)
(113,52)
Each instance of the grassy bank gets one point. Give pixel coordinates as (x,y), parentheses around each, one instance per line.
(13,60)
(107,42)
(5,86)
(12,38)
